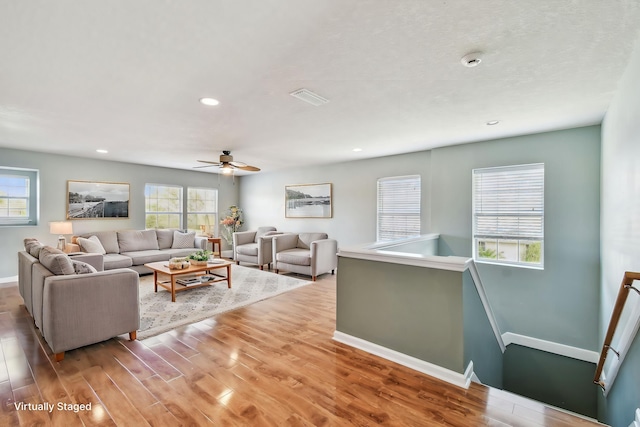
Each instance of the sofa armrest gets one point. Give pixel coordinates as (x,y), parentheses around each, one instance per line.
(265,249)
(201,243)
(324,255)
(243,237)
(83,309)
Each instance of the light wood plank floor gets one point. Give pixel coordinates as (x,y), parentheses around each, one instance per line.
(272,363)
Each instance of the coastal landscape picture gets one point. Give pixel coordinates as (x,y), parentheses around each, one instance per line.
(308,201)
(97,200)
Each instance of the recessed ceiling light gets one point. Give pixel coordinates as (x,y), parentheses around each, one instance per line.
(102,151)
(209,101)
(493,122)
(357,150)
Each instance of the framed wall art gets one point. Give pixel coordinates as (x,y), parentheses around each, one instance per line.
(97,200)
(307,201)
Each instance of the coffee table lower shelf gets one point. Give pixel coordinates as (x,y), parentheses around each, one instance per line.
(162,269)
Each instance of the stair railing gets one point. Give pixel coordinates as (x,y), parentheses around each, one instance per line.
(625,287)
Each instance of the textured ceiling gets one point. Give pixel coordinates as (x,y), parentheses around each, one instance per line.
(126,76)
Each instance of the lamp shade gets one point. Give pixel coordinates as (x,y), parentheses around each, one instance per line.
(61,227)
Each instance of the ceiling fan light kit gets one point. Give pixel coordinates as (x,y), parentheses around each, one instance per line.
(227,165)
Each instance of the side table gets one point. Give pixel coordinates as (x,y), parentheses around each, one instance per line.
(216,241)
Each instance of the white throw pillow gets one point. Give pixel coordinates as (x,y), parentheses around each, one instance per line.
(92,245)
(183,240)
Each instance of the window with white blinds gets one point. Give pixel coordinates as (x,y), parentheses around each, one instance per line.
(398,207)
(508,215)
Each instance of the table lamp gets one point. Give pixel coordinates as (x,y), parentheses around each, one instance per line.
(61,228)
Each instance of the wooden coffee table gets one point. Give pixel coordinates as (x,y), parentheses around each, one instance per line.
(161,268)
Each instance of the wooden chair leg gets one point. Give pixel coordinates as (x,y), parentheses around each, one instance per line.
(133,335)
(313,278)
(59,356)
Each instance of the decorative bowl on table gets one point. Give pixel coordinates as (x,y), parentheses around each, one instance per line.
(178,263)
(199,258)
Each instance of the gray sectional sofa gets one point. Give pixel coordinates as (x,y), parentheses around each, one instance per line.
(72,301)
(133,248)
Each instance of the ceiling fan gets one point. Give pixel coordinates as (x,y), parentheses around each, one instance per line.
(227,165)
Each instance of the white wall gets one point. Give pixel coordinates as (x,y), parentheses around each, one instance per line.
(620,226)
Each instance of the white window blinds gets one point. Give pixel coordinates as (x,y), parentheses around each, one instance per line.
(398,207)
(508,210)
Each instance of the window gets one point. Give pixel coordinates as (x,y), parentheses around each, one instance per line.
(18,196)
(508,215)
(202,209)
(163,206)
(398,207)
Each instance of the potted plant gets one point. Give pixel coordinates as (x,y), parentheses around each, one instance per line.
(199,257)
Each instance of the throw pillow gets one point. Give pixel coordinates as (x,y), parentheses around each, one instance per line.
(183,240)
(81,267)
(92,245)
(56,261)
(33,246)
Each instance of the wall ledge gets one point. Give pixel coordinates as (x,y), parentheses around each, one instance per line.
(444,374)
(551,347)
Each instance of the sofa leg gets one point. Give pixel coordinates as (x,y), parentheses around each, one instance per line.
(313,278)
(269,266)
(262,267)
(59,356)
(133,335)
(237,262)
(332,271)
(276,270)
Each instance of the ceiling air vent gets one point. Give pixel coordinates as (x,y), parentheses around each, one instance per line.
(307,96)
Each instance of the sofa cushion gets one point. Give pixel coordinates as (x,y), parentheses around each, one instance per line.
(305,239)
(109,240)
(137,240)
(294,256)
(112,261)
(33,246)
(263,231)
(165,238)
(250,249)
(180,252)
(143,257)
(183,240)
(56,261)
(91,245)
(82,267)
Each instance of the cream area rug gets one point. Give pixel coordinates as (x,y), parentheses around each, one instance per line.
(158,314)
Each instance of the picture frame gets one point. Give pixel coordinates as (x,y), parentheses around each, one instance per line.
(97,200)
(308,201)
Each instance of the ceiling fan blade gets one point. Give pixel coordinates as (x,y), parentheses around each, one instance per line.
(209,162)
(203,166)
(238,164)
(248,168)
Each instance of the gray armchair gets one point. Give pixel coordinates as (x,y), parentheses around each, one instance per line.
(311,254)
(254,246)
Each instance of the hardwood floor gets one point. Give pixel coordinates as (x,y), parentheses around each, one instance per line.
(272,363)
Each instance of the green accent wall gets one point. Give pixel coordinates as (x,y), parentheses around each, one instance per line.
(413,310)
(550,378)
(561,302)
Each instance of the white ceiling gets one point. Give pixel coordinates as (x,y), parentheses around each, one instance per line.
(126,76)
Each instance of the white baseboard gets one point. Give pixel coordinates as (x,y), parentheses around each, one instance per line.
(8,279)
(551,347)
(452,377)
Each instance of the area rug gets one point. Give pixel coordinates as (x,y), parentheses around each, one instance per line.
(158,314)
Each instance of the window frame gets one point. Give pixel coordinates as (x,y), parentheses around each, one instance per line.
(215,213)
(530,226)
(403,233)
(32,198)
(179,213)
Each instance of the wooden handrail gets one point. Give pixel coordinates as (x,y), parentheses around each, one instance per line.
(625,286)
